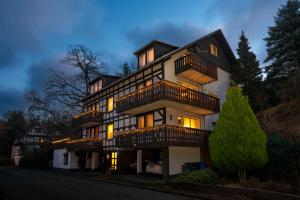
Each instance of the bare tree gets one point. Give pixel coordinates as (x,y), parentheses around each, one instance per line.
(87,61)
(64,92)
(43,109)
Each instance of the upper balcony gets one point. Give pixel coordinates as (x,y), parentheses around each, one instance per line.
(196,68)
(88,119)
(91,144)
(165,93)
(163,135)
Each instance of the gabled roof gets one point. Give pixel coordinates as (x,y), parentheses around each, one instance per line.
(218,34)
(151,43)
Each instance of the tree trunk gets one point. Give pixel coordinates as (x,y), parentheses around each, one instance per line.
(242,176)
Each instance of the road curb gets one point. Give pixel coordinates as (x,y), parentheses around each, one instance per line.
(128,184)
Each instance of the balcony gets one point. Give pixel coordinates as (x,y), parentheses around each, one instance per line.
(165,93)
(88,119)
(195,68)
(93,144)
(160,136)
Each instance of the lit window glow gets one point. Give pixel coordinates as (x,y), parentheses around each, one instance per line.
(110,104)
(188,122)
(110,131)
(150,55)
(213,49)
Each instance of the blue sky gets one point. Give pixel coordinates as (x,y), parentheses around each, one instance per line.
(35,34)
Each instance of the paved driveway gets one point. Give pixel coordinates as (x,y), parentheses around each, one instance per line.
(20,184)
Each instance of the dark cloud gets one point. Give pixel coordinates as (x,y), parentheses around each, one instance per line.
(11,99)
(167,32)
(24,25)
(254,17)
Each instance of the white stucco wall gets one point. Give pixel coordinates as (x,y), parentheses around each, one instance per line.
(219,89)
(180,155)
(58,159)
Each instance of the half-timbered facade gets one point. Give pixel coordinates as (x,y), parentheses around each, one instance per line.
(158,118)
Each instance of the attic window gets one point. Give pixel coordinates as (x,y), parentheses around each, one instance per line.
(213,49)
(146,57)
(142,59)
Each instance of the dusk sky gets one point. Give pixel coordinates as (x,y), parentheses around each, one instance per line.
(35,34)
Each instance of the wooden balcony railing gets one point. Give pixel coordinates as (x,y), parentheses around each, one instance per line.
(163,135)
(94,144)
(166,90)
(87,119)
(195,62)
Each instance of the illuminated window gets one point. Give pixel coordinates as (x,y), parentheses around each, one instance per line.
(213,49)
(150,55)
(188,122)
(110,131)
(140,86)
(142,60)
(149,120)
(114,160)
(141,122)
(110,104)
(148,82)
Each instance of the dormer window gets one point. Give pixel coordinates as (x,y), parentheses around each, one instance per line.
(213,49)
(150,55)
(146,57)
(94,87)
(142,59)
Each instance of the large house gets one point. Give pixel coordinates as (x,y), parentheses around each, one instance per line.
(156,119)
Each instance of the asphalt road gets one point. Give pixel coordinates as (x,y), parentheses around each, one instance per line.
(42,185)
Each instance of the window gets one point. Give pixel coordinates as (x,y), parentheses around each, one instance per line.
(147,57)
(66,158)
(142,60)
(188,122)
(150,55)
(110,104)
(213,49)
(148,82)
(144,84)
(94,87)
(110,131)
(114,161)
(141,122)
(149,120)
(146,121)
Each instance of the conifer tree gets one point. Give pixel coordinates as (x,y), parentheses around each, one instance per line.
(248,74)
(283,48)
(238,143)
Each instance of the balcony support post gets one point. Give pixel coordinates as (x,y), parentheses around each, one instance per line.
(165,164)
(139,161)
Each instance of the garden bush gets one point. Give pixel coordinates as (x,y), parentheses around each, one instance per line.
(206,176)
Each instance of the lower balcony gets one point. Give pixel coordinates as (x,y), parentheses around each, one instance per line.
(88,119)
(87,145)
(160,136)
(165,93)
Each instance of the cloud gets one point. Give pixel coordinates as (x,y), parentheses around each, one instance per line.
(11,99)
(26,24)
(167,32)
(254,17)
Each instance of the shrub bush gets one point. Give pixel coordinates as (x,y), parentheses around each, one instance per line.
(206,176)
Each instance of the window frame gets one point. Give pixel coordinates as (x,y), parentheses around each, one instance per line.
(213,49)
(107,104)
(112,133)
